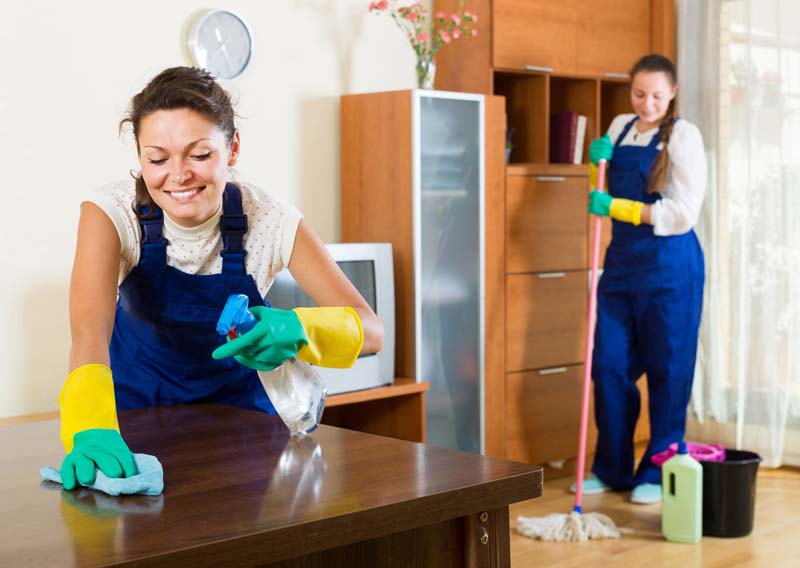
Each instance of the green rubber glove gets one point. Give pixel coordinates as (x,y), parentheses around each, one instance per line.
(600,149)
(97,448)
(277,336)
(600,203)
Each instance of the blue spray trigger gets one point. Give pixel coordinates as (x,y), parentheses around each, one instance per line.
(236,315)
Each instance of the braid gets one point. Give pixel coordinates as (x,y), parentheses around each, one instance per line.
(658,175)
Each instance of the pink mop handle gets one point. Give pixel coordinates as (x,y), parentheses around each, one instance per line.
(587,366)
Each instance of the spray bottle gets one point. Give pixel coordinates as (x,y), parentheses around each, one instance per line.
(296,390)
(682,505)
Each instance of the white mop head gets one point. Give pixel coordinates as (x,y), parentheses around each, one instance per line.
(569,528)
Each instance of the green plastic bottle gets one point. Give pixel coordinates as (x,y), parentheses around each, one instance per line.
(682,501)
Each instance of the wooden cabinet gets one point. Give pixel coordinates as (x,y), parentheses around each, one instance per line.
(549,45)
(566,37)
(544,57)
(423,170)
(587,37)
(611,36)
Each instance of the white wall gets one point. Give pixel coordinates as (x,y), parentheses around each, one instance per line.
(68,72)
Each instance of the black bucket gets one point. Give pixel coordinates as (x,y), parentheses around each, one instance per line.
(729,494)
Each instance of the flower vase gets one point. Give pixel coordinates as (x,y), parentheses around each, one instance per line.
(426,71)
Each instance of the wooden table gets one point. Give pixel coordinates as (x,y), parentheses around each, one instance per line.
(240,492)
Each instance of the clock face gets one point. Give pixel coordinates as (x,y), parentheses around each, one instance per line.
(220,41)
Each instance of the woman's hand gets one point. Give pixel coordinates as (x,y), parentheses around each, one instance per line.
(601,149)
(327,337)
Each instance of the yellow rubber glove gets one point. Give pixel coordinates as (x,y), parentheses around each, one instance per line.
(601,203)
(87,402)
(593,175)
(335,336)
(626,210)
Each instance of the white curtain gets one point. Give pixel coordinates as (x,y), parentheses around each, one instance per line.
(739,80)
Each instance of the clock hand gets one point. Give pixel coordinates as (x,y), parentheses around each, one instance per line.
(227,59)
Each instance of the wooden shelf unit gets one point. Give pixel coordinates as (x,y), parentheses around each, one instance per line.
(544,57)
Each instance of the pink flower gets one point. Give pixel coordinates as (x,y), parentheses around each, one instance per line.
(410,16)
(456,33)
(422,36)
(440,16)
(473,33)
(445,37)
(455,19)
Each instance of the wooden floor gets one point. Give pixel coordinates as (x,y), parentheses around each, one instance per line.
(774,542)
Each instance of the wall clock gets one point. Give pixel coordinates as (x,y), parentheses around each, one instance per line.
(221,42)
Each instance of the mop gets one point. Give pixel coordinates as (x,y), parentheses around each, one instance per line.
(577,525)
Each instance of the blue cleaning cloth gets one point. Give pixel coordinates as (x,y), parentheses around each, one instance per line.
(149,480)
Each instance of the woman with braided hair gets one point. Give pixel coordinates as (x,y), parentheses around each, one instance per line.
(651,291)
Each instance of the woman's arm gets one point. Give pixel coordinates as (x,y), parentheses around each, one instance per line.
(678,209)
(93,288)
(321,278)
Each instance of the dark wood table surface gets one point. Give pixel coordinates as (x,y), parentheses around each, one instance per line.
(240,492)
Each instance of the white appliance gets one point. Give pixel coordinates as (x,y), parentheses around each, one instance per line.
(369,267)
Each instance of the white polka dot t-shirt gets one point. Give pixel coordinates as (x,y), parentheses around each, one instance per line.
(269,241)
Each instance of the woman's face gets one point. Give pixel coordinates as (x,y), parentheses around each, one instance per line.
(651,93)
(184,159)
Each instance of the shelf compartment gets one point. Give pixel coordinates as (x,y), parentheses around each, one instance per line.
(527,113)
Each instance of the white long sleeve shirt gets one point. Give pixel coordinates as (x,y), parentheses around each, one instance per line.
(682,197)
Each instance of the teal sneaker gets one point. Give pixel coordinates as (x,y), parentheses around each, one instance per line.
(591,486)
(646,494)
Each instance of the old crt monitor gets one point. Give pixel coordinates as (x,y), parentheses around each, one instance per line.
(369,267)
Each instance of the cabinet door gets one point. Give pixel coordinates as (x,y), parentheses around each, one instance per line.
(541,33)
(612,35)
(546,223)
(543,415)
(448,282)
(545,319)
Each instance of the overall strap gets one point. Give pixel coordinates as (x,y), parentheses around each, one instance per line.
(233,225)
(625,131)
(154,245)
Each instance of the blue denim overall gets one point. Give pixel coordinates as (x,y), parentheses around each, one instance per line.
(648,314)
(165,325)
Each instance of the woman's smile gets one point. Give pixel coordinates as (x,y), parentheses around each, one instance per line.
(185,195)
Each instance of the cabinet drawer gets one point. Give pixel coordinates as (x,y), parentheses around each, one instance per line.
(539,33)
(543,415)
(546,223)
(545,319)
